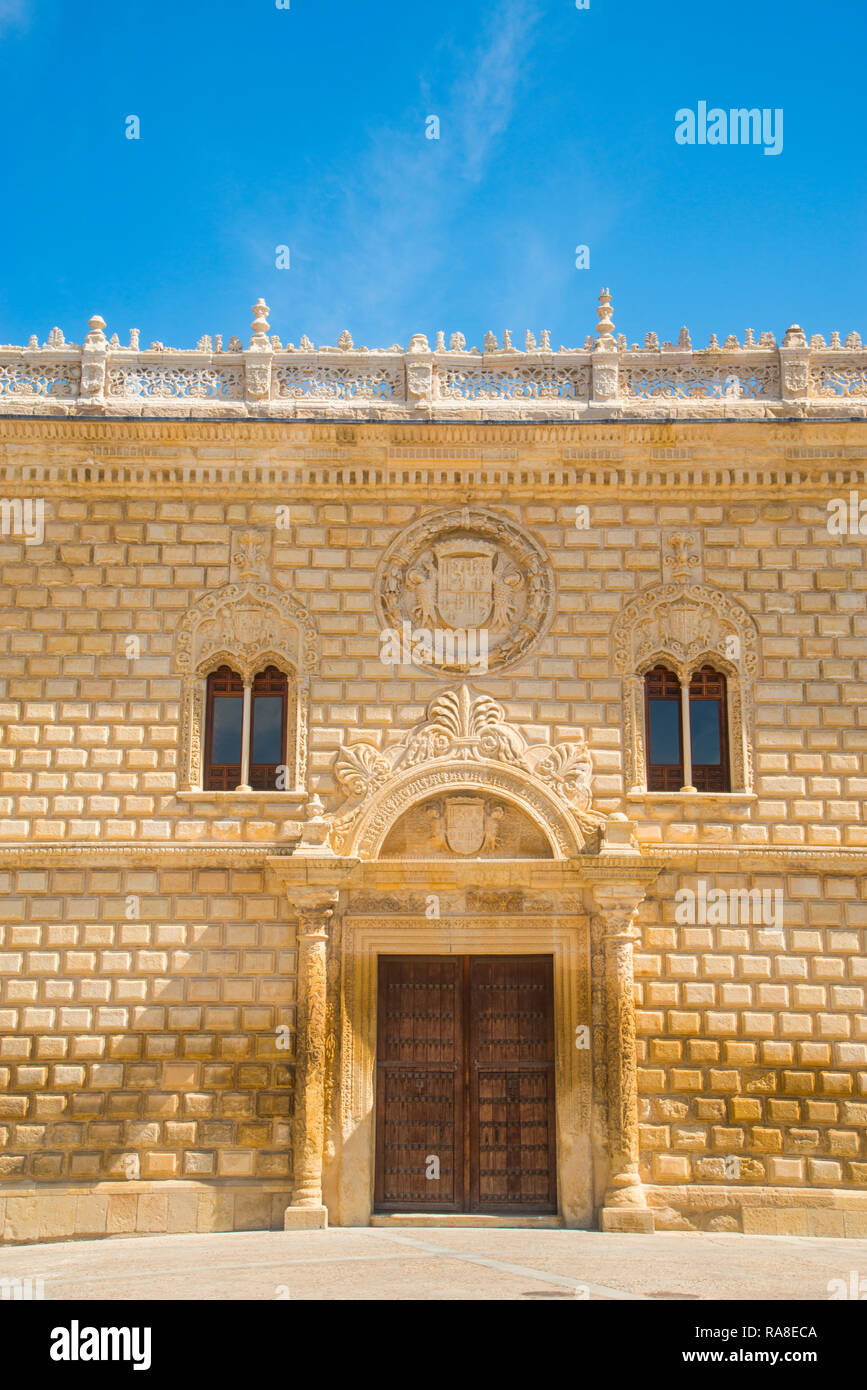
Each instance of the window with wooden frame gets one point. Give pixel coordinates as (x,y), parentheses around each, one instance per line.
(708,731)
(687,731)
(245,730)
(662,704)
(270,692)
(224,730)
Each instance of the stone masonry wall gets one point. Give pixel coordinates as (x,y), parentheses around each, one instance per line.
(89,738)
(753,1041)
(140,1002)
(144,1048)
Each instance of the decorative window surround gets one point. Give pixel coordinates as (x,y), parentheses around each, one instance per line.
(248,626)
(683,625)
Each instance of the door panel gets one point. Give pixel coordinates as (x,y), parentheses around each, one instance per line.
(511,1101)
(465,1076)
(419,1070)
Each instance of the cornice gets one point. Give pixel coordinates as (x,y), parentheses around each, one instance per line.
(71,855)
(397,434)
(732,859)
(448,462)
(653,859)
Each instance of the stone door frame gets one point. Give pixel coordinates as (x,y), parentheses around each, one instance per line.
(349,1177)
(591,934)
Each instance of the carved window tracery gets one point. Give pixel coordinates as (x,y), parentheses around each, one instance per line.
(267,641)
(708,644)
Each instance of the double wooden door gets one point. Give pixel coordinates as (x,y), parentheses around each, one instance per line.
(465,1085)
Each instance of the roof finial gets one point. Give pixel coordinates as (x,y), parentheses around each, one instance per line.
(96,324)
(260,325)
(605,326)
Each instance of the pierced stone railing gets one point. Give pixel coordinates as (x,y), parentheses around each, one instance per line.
(603,379)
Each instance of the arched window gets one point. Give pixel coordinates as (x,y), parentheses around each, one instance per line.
(245,733)
(662,702)
(268,729)
(711,644)
(708,731)
(687,731)
(224,726)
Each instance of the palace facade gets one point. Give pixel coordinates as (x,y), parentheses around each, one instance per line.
(432,784)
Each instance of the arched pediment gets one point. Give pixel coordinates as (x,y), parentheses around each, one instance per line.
(682,624)
(247,626)
(466,745)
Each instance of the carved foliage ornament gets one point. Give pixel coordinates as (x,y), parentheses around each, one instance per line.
(465,726)
(243,621)
(466,570)
(681,555)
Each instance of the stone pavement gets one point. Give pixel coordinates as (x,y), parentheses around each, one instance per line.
(360,1263)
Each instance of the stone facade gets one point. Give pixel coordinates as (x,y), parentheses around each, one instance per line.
(187,976)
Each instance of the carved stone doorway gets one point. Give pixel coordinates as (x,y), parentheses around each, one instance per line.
(350,1171)
(352,912)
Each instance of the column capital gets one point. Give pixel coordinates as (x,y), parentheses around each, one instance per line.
(618,904)
(315,908)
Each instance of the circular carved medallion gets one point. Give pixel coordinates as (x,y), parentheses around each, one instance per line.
(463,590)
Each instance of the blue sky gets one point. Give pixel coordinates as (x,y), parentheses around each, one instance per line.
(305,127)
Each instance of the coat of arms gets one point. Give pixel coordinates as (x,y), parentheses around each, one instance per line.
(465,824)
(464,582)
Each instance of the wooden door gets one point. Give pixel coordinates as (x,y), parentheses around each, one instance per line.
(465,1085)
(511,1085)
(420,1084)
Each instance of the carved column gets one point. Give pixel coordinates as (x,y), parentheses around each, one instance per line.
(625,1206)
(686,732)
(246,722)
(316,907)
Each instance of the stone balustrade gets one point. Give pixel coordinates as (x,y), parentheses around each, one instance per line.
(603,379)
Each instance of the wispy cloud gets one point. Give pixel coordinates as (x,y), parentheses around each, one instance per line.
(14,14)
(374,231)
(483,108)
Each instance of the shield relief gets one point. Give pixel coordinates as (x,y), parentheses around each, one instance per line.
(465,582)
(465,824)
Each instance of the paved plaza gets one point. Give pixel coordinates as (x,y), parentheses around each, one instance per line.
(409,1263)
